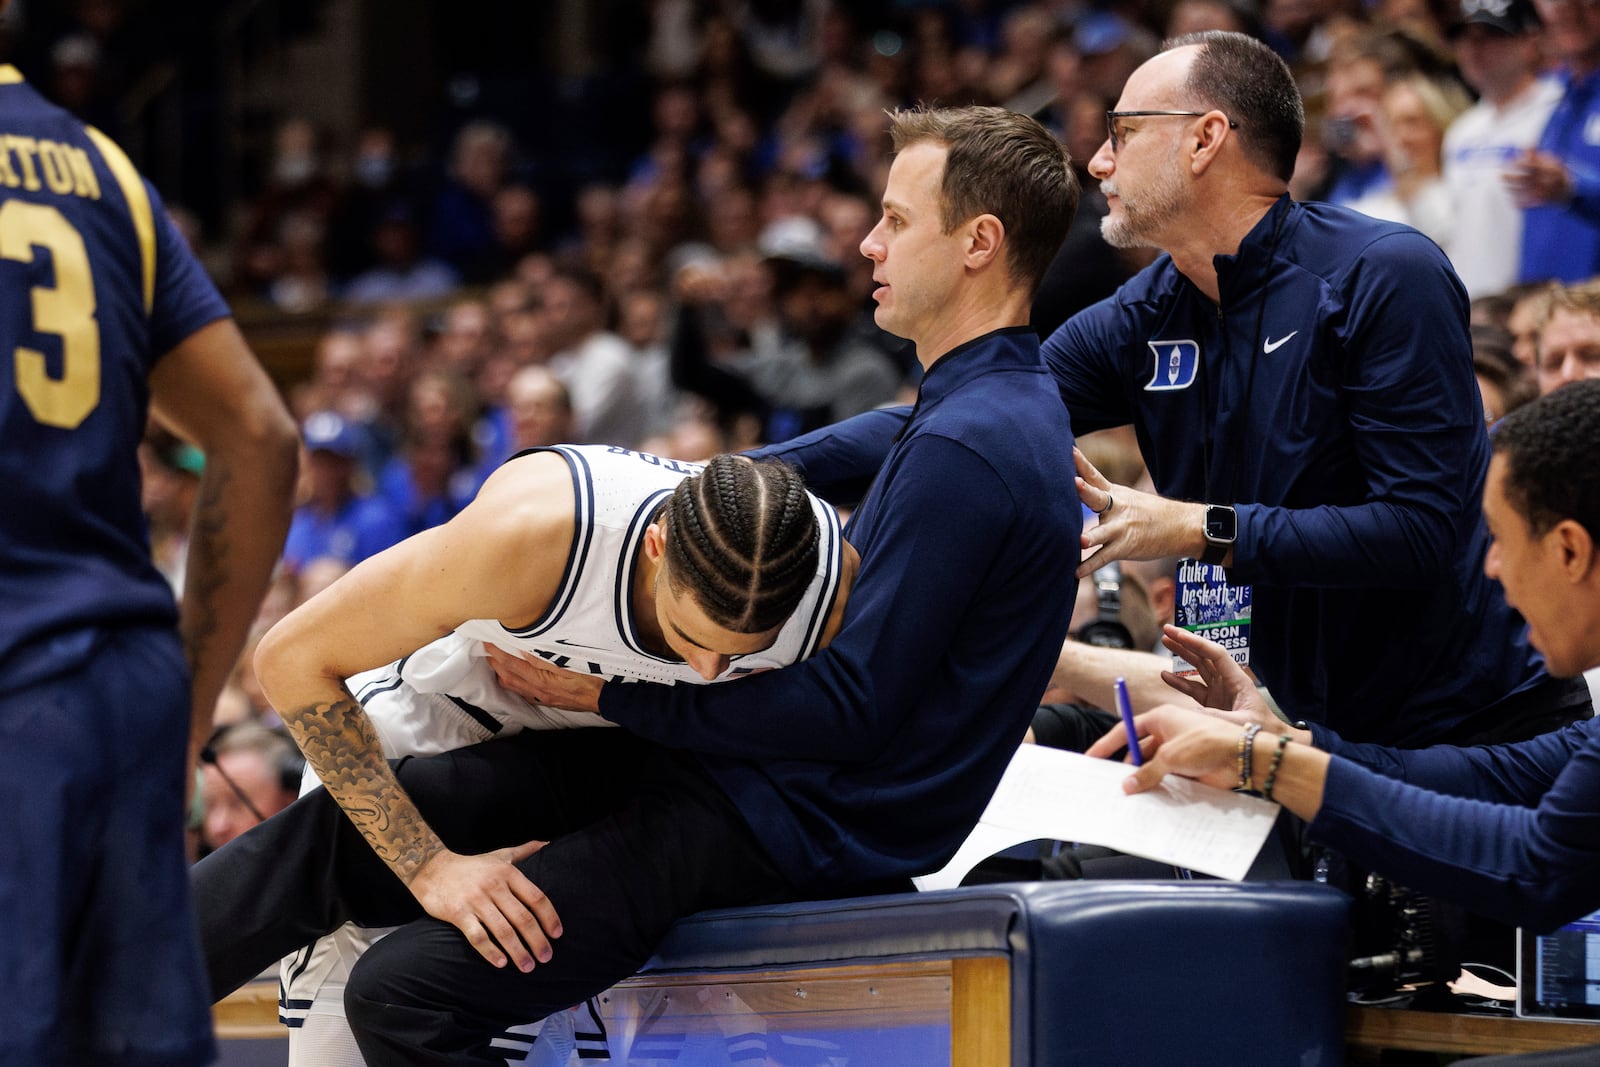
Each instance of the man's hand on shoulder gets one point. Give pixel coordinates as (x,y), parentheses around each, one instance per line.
(1134,524)
(545,685)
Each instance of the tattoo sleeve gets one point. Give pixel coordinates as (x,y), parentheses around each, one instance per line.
(235,538)
(203,581)
(342,746)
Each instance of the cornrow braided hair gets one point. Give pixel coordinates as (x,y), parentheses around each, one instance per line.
(742,539)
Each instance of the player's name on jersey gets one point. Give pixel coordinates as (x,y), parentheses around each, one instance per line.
(677,466)
(37,163)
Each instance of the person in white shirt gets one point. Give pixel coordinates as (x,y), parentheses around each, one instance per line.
(1497,51)
(1416,111)
(596,366)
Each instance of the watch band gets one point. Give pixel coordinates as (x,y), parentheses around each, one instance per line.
(1220,529)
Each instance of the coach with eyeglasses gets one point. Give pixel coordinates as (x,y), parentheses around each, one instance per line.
(1300,380)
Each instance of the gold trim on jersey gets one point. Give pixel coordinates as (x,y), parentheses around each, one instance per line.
(10,75)
(133,190)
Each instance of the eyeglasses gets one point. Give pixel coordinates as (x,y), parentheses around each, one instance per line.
(1113,116)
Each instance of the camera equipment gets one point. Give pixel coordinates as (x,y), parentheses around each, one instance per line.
(1108,630)
(1399,937)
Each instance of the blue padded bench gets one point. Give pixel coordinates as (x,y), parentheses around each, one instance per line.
(1051,974)
(1016,975)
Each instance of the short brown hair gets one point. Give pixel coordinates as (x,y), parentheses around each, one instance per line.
(1252,85)
(1003,164)
(1582,298)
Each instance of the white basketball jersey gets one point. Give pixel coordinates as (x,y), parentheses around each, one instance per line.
(445,694)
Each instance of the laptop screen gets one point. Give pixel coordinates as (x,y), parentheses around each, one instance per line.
(1558,974)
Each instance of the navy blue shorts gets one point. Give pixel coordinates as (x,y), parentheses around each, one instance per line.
(99,958)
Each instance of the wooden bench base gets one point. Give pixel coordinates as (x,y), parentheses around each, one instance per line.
(1478,1035)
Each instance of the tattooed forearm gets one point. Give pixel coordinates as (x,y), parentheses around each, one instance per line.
(235,538)
(204,573)
(343,747)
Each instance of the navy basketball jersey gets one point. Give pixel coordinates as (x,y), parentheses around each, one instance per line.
(95,285)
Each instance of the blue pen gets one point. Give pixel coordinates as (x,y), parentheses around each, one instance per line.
(1125,706)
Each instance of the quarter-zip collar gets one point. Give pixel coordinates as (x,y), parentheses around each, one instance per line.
(1244,273)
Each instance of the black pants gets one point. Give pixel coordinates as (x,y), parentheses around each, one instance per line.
(639,837)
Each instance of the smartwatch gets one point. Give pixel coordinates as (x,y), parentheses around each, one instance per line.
(1222,526)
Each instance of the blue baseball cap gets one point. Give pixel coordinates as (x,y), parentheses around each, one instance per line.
(1099,32)
(326,431)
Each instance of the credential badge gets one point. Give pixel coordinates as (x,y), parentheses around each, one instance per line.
(1175,364)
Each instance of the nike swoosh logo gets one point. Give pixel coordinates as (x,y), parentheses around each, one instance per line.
(1270,346)
(573,644)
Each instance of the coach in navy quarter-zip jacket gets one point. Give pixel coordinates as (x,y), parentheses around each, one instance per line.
(1311,368)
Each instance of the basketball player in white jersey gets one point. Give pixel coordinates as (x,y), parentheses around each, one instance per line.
(598,559)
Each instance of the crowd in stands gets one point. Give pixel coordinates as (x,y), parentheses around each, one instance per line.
(712,297)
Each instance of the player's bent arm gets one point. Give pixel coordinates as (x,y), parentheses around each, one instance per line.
(211,391)
(501,557)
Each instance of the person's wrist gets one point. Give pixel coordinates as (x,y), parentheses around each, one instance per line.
(1300,731)
(1275,767)
(1194,527)
(1244,759)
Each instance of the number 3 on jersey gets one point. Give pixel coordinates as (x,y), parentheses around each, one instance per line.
(67,310)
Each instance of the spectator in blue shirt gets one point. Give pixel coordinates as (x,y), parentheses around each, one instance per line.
(335,520)
(1558,183)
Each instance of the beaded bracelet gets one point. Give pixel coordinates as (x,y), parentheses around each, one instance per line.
(1272,771)
(1246,757)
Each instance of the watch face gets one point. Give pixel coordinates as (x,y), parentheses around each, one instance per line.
(1221,524)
